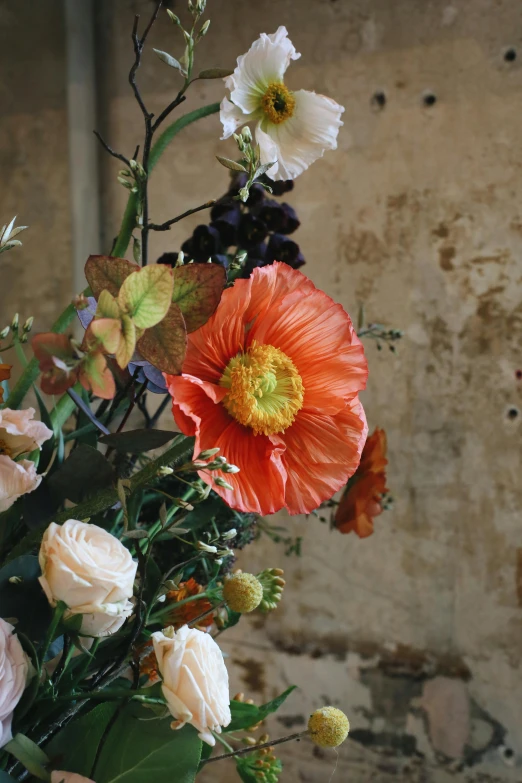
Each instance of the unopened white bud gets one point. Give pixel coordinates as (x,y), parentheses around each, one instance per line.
(207,453)
(180,258)
(225,552)
(165,471)
(173,18)
(5,331)
(14,322)
(232,533)
(222,483)
(230,469)
(28,324)
(204,29)
(246,134)
(206,548)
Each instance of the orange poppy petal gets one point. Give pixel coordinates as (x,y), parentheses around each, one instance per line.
(211,347)
(270,284)
(319,337)
(259,485)
(322,452)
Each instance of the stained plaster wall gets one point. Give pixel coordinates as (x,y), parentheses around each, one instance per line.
(416,631)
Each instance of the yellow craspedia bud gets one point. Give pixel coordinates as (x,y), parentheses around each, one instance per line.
(328,727)
(243,592)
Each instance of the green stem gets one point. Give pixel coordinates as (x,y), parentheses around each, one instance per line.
(178,452)
(51,631)
(110,694)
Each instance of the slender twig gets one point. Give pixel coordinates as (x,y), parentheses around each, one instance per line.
(154,419)
(252,748)
(180,97)
(131,406)
(166,226)
(110,150)
(86,409)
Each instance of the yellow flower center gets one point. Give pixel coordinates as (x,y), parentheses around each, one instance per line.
(278,103)
(265,389)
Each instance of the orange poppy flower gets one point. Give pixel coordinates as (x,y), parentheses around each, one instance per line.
(5,374)
(272,380)
(362,498)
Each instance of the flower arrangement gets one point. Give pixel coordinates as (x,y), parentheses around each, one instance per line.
(117,540)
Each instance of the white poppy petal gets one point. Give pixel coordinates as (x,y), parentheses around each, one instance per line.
(268,150)
(265,62)
(305,136)
(232,117)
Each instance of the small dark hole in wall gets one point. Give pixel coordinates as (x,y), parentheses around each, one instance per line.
(512,413)
(510,55)
(518,375)
(378,100)
(430,99)
(508,753)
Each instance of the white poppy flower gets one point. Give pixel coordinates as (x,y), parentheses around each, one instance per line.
(293,128)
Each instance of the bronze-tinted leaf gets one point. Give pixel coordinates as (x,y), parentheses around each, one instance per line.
(165,344)
(197,291)
(107,273)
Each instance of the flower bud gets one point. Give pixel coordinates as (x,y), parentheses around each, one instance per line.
(28,324)
(204,29)
(165,471)
(232,533)
(207,454)
(243,592)
(181,258)
(272,585)
(230,469)
(222,483)
(15,322)
(246,134)
(206,548)
(173,18)
(5,331)
(328,727)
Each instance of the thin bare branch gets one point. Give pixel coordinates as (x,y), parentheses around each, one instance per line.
(166,226)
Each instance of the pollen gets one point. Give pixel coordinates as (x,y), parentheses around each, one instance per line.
(278,103)
(265,389)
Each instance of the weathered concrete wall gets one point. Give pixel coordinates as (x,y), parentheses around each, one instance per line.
(34,168)
(416,631)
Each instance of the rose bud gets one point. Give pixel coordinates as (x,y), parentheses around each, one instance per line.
(195,679)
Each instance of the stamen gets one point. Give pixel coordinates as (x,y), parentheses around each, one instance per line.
(278,103)
(265,389)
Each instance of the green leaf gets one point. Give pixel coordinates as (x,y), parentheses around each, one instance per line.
(29,754)
(25,599)
(233,165)
(107,272)
(245,715)
(168,59)
(74,747)
(215,73)
(146,295)
(139,749)
(84,472)
(137,441)
(165,345)
(106,332)
(197,291)
(108,306)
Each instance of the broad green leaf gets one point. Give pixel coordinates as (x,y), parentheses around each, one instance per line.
(107,332)
(137,441)
(139,749)
(29,754)
(127,342)
(215,73)
(146,295)
(245,715)
(74,747)
(24,598)
(108,306)
(197,291)
(84,471)
(165,345)
(107,272)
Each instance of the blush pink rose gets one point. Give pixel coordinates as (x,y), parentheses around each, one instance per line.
(20,434)
(68,777)
(16,479)
(14,673)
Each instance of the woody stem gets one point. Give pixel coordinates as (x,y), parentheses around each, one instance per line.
(243,751)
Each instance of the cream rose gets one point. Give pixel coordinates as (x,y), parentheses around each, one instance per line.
(14,673)
(16,479)
(68,777)
(19,434)
(90,571)
(195,679)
